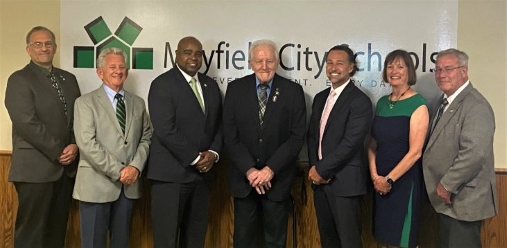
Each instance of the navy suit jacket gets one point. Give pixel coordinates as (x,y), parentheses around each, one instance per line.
(343,143)
(181,129)
(276,143)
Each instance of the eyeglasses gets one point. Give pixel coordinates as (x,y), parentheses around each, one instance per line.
(47,44)
(446,70)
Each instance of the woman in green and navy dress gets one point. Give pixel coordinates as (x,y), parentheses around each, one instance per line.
(398,133)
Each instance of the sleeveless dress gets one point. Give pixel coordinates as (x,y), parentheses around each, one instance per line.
(396,215)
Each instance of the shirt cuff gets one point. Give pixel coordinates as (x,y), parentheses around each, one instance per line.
(217,157)
(195,160)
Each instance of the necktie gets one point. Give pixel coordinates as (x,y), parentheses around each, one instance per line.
(440,111)
(59,90)
(262,97)
(120,111)
(325,115)
(193,85)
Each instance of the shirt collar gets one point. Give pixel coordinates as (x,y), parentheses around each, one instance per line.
(186,76)
(111,93)
(460,89)
(44,70)
(340,88)
(257,82)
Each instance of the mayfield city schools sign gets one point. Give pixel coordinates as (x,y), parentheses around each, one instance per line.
(123,38)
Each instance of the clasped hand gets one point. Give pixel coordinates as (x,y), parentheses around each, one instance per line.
(206,161)
(260,179)
(315,177)
(381,185)
(129,175)
(68,154)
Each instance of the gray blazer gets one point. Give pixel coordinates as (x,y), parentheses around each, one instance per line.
(459,154)
(105,150)
(40,128)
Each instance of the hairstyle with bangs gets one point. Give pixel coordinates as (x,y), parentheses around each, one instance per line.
(101,60)
(407,59)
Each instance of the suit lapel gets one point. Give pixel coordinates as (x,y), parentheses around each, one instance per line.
(129,111)
(272,104)
(449,113)
(187,89)
(48,88)
(339,104)
(250,98)
(104,101)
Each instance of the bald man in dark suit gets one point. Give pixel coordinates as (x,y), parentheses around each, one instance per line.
(186,110)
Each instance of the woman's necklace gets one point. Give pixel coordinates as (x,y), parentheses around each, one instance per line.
(392,103)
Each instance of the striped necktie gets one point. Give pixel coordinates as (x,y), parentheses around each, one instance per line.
(263,97)
(120,111)
(440,111)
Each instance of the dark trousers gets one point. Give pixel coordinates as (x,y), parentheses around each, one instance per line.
(99,218)
(43,212)
(338,219)
(260,222)
(453,233)
(179,213)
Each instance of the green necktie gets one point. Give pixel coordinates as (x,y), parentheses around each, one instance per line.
(193,85)
(120,111)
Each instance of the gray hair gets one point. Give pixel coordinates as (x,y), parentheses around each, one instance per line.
(101,60)
(36,29)
(257,43)
(462,56)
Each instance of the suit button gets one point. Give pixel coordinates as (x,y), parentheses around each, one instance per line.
(123,163)
(258,160)
(125,142)
(260,140)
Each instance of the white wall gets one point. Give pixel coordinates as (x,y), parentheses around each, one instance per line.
(482,33)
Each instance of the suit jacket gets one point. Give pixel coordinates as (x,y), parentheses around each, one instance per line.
(105,150)
(459,154)
(276,143)
(40,128)
(343,142)
(181,129)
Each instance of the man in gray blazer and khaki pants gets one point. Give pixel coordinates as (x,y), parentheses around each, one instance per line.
(458,161)
(113,132)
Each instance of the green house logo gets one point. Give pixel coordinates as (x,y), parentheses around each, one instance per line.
(123,38)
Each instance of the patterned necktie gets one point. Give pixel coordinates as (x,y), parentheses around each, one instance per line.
(325,115)
(59,90)
(120,111)
(262,97)
(440,111)
(193,85)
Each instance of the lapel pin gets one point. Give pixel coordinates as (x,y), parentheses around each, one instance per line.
(205,85)
(277,93)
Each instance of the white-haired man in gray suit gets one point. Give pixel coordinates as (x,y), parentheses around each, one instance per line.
(458,161)
(113,133)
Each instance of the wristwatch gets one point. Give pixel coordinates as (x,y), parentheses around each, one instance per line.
(389,180)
